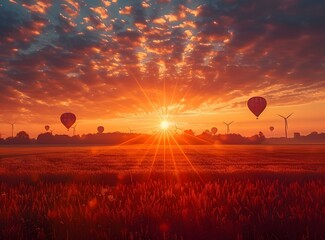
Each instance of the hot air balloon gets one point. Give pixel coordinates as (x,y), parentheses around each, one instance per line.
(214,130)
(68,119)
(271,128)
(256,105)
(47,127)
(100,129)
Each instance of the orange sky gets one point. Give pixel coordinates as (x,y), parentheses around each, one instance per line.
(116,63)
(306,118)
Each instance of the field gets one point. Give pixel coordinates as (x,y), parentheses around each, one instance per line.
(142,192)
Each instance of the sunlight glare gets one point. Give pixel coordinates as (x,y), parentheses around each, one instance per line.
(164,125)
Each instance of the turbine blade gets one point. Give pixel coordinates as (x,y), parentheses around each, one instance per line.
(289,115)
(281,116)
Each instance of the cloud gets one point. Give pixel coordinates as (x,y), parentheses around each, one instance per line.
(107,58)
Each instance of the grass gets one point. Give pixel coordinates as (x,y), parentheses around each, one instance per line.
(264,192)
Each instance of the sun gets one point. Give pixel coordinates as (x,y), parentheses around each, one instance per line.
(164,125)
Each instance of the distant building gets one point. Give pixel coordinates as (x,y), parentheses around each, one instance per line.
(296,135)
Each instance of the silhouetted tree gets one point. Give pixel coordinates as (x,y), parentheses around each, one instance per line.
(312,134)
(21,138)
(22,135)
(189,132)
(261,136)
(45,138)
(207,132)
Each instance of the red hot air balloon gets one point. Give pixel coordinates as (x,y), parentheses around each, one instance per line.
(256,105)
(100,129)
(47,127)
(214,130)
(68,119)
(271,129)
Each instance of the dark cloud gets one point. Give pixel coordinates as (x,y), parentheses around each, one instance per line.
(9,21)
(138,14)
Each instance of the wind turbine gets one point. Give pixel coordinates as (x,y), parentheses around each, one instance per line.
(177,128)
(74,129)
(285,124)
(228,124)
(12,129)
(130,130)
(154,131)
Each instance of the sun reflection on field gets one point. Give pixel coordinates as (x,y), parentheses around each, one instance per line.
(163,135)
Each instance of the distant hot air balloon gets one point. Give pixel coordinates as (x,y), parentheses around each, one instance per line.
(271,128)
(100,129)
(68,119)
(214,130)
(256,105)
(47,127)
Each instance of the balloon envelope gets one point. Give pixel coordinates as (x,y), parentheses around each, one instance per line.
(271,129)
(47,127)
(100,129)
(214,130)
(256,105)
(68,119)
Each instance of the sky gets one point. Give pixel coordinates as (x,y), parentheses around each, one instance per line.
(127,64)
